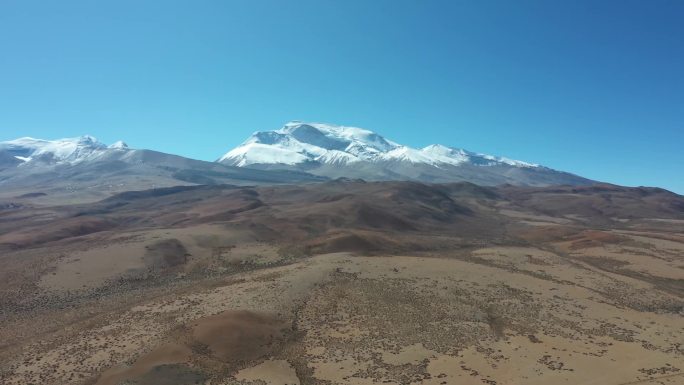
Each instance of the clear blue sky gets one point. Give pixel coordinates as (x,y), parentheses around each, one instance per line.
(591,87)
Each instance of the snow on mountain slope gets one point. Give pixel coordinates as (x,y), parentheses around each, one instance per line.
(119,145)
(333,151)
(78,170)
(299,142)
(60,151)
(336,157)
(446,154)
(411,155)
(296,152)
(457,156)
(250,153)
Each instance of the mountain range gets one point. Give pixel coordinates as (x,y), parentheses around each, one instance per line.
(296,153)
(339,151)
(83,169)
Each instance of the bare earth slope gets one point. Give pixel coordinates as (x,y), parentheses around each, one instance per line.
(346,282)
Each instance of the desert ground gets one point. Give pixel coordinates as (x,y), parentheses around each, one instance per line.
(345,282)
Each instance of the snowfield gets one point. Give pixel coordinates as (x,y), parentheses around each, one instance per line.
(60,151)
(300,142)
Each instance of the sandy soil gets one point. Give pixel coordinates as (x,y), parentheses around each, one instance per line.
(251,300)
(392,319)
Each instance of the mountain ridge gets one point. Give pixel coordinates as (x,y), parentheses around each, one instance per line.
(84,169)
(344,151)
(323,142)
(298,151)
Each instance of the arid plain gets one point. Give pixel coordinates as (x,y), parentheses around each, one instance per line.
(345,282)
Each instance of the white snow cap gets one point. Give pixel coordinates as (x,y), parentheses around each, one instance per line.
(119,144)
(299,142)
(67,150)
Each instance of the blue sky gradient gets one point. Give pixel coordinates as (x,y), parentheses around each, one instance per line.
(591,87)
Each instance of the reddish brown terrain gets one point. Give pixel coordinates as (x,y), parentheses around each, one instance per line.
(345,282)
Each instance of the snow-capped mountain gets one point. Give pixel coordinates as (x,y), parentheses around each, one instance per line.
(296,153)
(61,151)
(299,142)
(335,151)
(306,142)
(83,169)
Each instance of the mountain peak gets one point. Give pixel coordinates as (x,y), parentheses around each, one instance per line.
(85,140)
(324,143)
(348,134)
(65,150)
(320,149)
(332,150)
(436,148)
(119,144)
(307,142)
